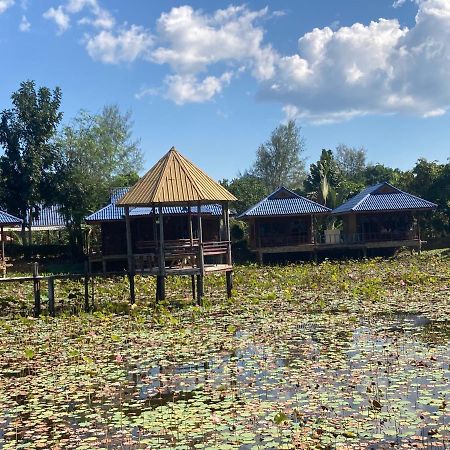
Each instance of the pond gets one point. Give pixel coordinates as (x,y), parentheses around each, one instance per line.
(262,371)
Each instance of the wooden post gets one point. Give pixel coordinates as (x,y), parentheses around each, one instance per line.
(160,288)
(130,254)
(201,261)
(193,286)
(37,291)
(3,254)
(86,287)
(162,262)
(200,290)
(228,233)
(229,276)
(51,296)
(191,234)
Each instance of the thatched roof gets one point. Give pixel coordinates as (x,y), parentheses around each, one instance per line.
(174,180)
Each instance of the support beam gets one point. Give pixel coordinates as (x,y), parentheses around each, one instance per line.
(200,290)
(162,261)
(201,259)
(86,287)
(51,296)
(37,291)
(228,233)
(229,276)
(193,286)
(129,254)
(160,288)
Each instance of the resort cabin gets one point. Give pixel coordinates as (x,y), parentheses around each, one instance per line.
(283,222)
(381,216)
(112,249)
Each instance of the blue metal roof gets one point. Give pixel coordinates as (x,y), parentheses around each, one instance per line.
(284,202)
(8,219)
(50,218)
(114,212)
(383,197)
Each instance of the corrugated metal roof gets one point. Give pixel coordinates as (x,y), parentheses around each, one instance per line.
(175,180)
(8,219)
(284,202)
(50,218)
(115,212)
(383,197)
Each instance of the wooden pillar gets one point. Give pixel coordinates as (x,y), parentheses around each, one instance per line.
(228,233)
(130,254)
(160,279)
(3,254)
(193,286)
(201,261)
(37,291)
(229,276)
(86,287)
(200,290)
(191,234)
(51,296)
(312,231)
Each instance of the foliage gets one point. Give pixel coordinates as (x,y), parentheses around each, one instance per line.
(279,161)
(351,161)
(247,188)
(323,180)
(337,355)
(97,154)
(27,167)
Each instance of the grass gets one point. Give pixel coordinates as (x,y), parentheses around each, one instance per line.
(341,355)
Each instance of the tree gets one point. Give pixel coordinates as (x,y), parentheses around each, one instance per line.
(323,180)
(247,188)
(97,154)
(278,161)
(351,161)
(28,165)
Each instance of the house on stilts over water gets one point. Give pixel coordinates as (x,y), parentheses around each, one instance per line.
(173,221)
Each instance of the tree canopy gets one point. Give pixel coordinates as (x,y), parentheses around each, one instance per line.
(28,166)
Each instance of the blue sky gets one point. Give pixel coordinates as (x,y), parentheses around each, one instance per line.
(215,78)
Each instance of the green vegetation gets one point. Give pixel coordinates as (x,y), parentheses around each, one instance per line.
(341,355)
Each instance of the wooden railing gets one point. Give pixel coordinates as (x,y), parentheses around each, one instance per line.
(359,238)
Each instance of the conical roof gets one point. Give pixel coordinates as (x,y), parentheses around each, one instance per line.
(175,180)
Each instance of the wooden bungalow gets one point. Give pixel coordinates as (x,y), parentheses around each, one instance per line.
(112,251)
(381,216)
(283,222)
(175,182)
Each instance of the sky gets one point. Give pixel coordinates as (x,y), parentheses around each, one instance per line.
(215,78)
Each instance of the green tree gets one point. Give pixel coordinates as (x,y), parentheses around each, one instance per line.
(97,154)
(351,161)
(247,188)
(323,180)
(28,165)
(279,161)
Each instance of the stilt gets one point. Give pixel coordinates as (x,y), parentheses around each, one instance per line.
(86,287)
(160,288)
(364,251)
(229,276)
(132,290)
(200,290)
(37,291)
(193,286)
(51,296)
(260,258)
(315,256)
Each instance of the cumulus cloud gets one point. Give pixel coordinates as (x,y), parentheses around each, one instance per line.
(97,16)
(187,88)
(24,25)
(126,45)
(61,19)
(5,4)
(192,40)
(379,68)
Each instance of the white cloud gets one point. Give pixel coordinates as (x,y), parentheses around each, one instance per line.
(24,25)
(126,45)
(5,4)
(379,68)
(192,41)
(97,16)
(188,89)
(58,15)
